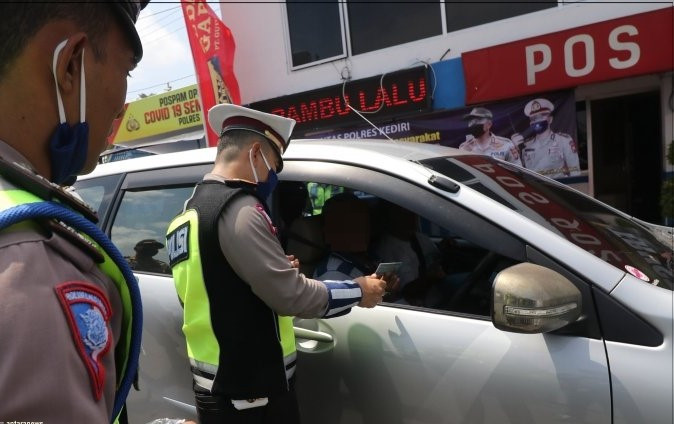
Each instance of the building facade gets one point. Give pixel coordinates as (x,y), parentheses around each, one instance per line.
(415,69)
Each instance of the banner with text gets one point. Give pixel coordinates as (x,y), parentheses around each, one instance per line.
(603,51)
(510,134)
(165,113)
(377,98)
(213,48)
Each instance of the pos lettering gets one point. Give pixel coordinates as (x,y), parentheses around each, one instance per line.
(539,56)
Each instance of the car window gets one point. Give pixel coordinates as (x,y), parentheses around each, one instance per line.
(590,225)
(355,230)
(139,227)
(98,193)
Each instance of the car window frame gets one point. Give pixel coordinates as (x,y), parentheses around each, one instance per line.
(396,189)
(110,193)
(387,186)
(155,178)
(391,187)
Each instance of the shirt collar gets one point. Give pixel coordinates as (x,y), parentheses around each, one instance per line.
(11,155)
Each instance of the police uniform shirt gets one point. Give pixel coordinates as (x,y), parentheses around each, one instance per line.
(554,156)
(498,148)
(46,370)
(248,241)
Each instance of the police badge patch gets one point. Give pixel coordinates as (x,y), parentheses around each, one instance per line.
(266,217)
(88,313)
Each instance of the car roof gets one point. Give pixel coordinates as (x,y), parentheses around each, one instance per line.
(373,153)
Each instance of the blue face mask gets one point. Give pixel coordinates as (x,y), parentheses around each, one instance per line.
(539,126)
(264,188)
(68,145)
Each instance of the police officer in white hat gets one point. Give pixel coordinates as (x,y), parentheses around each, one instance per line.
(553,154)
(239,289)
(485,142)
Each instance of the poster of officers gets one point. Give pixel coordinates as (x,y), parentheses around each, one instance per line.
(538,132)
(538,147)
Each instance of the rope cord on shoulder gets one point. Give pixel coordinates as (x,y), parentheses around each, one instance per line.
(53,210)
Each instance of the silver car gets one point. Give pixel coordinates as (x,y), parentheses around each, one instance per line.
(561,311)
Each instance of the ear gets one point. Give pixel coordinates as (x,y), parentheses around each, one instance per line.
(256,147)
(69,63)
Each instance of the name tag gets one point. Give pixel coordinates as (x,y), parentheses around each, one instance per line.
(177,243)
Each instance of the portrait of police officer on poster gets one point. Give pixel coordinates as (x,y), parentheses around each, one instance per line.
(543,150)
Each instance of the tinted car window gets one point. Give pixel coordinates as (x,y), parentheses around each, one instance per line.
(98,193)
(139,228)
(580,219)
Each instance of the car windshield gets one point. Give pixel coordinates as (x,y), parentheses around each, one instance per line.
(611,236)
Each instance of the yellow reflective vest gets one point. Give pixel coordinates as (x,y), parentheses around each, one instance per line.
(238,347)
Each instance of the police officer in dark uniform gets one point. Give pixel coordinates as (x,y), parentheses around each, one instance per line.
(69,336)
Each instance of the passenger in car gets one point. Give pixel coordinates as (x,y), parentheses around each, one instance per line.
(238,288)
(401,241)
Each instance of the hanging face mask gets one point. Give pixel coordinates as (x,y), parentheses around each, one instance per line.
(68,145)
(264,188)
(477,130)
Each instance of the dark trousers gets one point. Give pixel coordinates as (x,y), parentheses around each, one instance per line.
(281,409)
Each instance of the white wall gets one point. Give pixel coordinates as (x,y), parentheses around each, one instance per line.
(262,60)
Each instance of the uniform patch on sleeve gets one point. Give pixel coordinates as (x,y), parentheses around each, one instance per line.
(88,313)
(266,217)
(177,243)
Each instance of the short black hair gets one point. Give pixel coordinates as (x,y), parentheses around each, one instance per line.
(22,19)
(236,140)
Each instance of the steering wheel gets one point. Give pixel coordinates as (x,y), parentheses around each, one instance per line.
(485,265)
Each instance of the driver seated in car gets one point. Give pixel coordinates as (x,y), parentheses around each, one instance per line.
(346,230)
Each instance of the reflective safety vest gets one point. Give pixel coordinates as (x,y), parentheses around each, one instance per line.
(319,193)
(19,208)
(238,347)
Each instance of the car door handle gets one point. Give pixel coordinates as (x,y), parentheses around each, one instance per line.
(319,336)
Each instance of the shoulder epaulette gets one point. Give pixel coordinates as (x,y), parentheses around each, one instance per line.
(28,180)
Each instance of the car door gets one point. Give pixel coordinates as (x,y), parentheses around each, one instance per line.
(137,213)
(416,364)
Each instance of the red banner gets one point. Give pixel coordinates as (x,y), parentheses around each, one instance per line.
(619,48)
(213,47)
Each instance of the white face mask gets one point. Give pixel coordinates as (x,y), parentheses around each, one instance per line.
(264,188)
(83,88)
(250,159)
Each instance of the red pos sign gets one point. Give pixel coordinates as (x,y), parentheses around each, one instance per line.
(213,47)
(619,48)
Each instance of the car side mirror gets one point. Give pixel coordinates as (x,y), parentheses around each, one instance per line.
(529,298)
